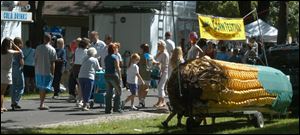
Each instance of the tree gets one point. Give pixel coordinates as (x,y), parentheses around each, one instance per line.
(218,8)
(282,23)
(36,28)
(245,8)
(263,10)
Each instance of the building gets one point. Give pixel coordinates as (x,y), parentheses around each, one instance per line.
(135,22)
(70,16)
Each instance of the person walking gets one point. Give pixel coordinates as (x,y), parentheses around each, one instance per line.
(72,82)
(45,58)
(144,64)
(132,79)
(28,69)
(87,76)
(162,59)
(80,53)
(18,84)
(113,80)
(8,48)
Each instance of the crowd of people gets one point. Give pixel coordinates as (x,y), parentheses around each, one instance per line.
(27,69)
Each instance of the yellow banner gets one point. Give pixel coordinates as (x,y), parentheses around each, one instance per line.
(221,28)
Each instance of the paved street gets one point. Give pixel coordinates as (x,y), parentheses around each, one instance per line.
(62,111)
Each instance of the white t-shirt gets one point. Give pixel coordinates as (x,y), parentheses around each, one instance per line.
(88,68)
(80,53)
(101,48)
(131,74)
(44,55)
(163,59)
(170,45)
(193,53)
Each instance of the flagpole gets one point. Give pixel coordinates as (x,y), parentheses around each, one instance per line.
(261,38)
(250,13)
(178,62)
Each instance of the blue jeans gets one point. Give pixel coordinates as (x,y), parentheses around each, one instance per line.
(86,88)
(18,86)
(113,81)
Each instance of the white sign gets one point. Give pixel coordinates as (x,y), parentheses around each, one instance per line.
(16,16)
(11,29)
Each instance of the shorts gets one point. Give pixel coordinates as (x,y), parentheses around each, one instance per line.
(133,88)
(44,82)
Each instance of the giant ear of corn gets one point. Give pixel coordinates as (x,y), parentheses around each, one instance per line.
(230,85)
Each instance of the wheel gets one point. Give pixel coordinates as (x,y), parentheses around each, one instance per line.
(258,120)
(189,123)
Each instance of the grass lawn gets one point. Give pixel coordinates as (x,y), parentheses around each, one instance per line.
(224,125)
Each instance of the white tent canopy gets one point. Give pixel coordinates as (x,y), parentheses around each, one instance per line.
(269,32)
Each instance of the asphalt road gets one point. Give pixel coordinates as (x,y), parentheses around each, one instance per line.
(63,111)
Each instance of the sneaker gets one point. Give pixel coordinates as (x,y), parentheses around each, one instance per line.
(120,111)
(79,104)
(62,88)
(141,105)
(122,105)
(44,108)
(15,107)
(134,108)
(85,108)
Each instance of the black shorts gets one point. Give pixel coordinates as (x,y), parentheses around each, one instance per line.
(29,71)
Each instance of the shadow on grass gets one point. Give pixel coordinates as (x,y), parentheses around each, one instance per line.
(290,128)
(218,127)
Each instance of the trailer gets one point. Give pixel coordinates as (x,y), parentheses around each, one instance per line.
(212,88)
(133,23)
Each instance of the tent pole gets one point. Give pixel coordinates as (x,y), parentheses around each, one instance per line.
(250,13)
(261,38)
(174,29)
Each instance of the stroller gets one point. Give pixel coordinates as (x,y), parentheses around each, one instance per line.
(99,89)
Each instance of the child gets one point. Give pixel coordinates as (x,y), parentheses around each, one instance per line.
(18,84)
(132,79)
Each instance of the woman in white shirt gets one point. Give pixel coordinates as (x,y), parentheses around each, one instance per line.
(162,59)
(80,53)
(8,48)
